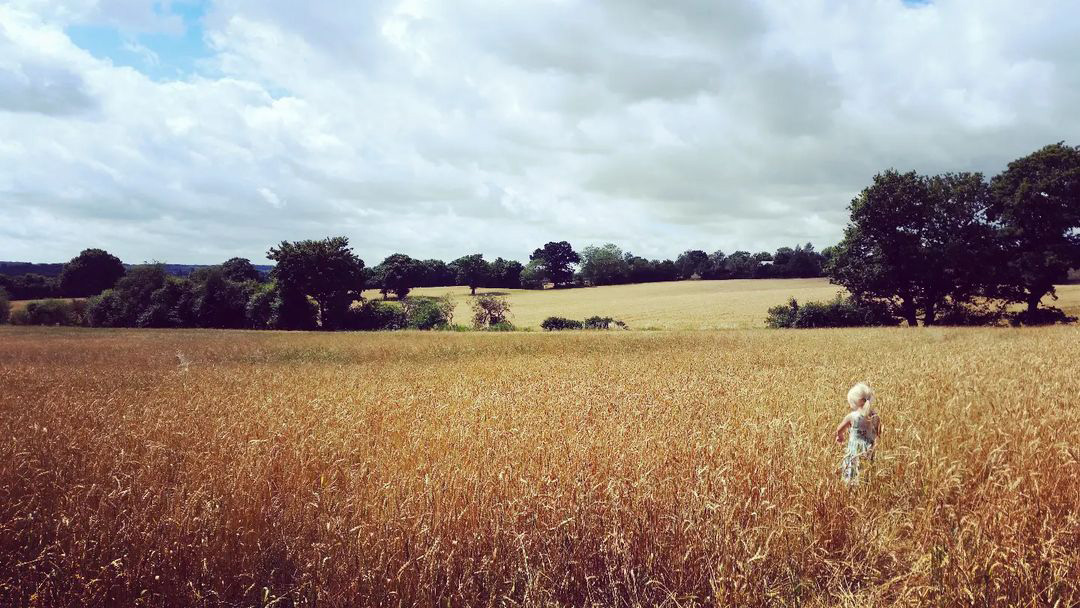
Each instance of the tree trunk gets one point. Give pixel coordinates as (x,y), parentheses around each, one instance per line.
(929,316)
(473,290)
(909,311)
(1033,302)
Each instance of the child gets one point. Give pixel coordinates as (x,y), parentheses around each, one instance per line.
(865,428)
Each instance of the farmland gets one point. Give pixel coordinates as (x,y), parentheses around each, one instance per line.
(682,305)
(625,468)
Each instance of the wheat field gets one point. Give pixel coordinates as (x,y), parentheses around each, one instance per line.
(207,468)
(680,305)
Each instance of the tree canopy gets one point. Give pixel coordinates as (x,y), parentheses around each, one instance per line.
(90,273)
(325,270)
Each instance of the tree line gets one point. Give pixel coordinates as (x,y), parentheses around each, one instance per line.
(956,248)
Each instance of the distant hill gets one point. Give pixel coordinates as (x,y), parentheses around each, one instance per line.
(54,269)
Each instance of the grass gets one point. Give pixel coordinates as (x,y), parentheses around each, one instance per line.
(633,468)
(682,305)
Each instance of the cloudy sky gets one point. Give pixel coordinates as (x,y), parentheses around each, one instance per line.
(193,131)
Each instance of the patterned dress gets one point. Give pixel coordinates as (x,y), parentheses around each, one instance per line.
(861,437)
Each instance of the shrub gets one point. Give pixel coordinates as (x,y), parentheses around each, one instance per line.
(428,313)
(970,314)
(560,323)
(1040,316)
(489,310)
(374,315)
(501,326)
(50,312)
(603,323)
(840,312)
(5,306)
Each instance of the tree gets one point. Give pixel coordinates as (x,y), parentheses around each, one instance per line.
(532,275)
(5,305)
(506,273)
(740,265)
(240,270)
(325,270)
(472,270)
(692,262)
(915,241)
(490,310)
(556,259)
(437,273)
(399,273)
(90,273)
(604,265)
(1036,207)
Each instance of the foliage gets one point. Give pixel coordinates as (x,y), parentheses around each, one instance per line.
(1048,315)
(472,271)
(505,273)
(240,270)
(375,316)
(29,286)
(326,270)
(5,306)
(398,274)
(604,265)
(501,326)
(428,313)
(490,310)
(1036,205)
(917,241)
(840,312)
(90,273)
(532,275)
(50,312)
(560,323)
(556,260)
(127,304)
(598,322)
(692,263)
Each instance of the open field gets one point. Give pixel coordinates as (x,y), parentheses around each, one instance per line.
(625,468)
(682,305)
(733,304)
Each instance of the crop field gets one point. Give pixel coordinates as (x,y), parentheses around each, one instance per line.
(682,305)
(190,467)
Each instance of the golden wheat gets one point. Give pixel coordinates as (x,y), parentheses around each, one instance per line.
(659,468)
(682,305)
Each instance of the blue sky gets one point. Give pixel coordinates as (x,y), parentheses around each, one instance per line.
(162,55)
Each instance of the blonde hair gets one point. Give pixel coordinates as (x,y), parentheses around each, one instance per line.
(858,392)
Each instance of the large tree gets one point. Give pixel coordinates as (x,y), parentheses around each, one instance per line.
(604,265)
(556,260)
(90,273)
(240,270)
(1036,206)
(915,241)
(399,273)
(325,270)
(472,270)
(692,262)
(506,273)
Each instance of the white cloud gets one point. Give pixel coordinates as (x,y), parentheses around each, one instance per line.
(439,128)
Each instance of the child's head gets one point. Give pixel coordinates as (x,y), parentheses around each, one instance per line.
(860,396)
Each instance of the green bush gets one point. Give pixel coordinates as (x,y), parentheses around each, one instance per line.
(50,312)
(501,326)
(490,310)
(840,312)
(5,306)
(374,315)
(560,323)
(1040,316)
(428,313)
(603,323)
